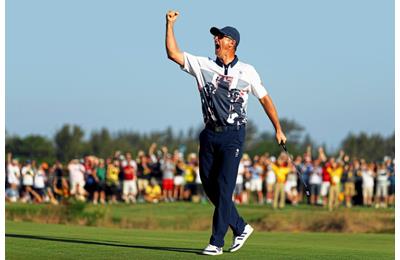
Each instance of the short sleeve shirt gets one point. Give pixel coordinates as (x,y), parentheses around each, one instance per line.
(112,174)
(40,179)
(224,89)
(27,176)
(13,174)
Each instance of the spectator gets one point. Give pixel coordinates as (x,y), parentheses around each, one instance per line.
(256,180)
(154,162)
(291,187)
(315,181)
(335,171)
(179,180)
(59,183)
(390,167)
(143,173)
(305,169)
(168,170)
(270,179)
(27,183)
(281,169)
(129,161)
(198,190)
(13,178)
(190,188)
(326,183)
(238,191)
(44,178)
(77,179)
(91,181)
(101,176)
(112,179)
(129,189)
(368,183)
(39,182)
(247,184)
(153,192)
(291,182)
(349,176)
(190,181)
(358,198)
(382,183)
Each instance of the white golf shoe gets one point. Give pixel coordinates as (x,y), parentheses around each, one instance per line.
(212,250)
(238,241)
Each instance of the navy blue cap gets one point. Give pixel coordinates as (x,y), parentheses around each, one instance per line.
(228,31)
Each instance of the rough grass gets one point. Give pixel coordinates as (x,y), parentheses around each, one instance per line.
(189,216)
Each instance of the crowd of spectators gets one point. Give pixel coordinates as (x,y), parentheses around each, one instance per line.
(332,181)
(163,176)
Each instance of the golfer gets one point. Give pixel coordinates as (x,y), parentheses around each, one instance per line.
(224,85)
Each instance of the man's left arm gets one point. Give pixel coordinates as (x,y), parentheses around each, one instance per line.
(259,91)
(269,108)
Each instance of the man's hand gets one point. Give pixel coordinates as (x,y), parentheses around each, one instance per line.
(171,46)
(171,16)
(280,137)
(152,148)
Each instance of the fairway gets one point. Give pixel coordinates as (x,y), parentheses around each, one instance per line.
(26,240)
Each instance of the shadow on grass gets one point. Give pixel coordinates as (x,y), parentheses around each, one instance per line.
(100,243)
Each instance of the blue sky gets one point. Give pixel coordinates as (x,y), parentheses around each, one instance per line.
(327,64)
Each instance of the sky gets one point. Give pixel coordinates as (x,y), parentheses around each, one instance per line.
(329,65)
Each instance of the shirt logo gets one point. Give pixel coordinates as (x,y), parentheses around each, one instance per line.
(224,81)
(237,153)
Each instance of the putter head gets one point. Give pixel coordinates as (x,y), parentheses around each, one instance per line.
(307,193)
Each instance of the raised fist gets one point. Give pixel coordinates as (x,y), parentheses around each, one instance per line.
(172,15)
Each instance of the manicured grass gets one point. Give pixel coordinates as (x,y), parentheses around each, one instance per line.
(25,240)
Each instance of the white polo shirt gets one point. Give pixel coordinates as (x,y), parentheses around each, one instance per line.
(224,89)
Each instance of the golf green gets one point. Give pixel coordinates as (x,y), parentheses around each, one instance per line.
(25,240)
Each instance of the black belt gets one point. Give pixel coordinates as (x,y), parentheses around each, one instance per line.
(224,128)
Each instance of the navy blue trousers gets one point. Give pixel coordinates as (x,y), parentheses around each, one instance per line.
(220,154)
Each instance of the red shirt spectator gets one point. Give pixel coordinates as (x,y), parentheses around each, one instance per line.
(325,175)
(129,173)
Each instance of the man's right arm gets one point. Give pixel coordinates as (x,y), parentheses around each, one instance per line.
(269,108)
(171,46)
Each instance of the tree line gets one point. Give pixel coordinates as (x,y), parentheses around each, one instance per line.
(69,142)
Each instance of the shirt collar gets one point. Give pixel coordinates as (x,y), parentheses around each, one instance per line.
(231,64)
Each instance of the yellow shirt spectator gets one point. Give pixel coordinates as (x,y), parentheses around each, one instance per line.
(153,192)
(190,174)
(112,174)
(335,174)
(280,172)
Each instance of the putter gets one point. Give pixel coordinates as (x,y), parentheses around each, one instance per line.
(297,171)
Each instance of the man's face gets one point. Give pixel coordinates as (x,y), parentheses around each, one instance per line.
(223,45)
